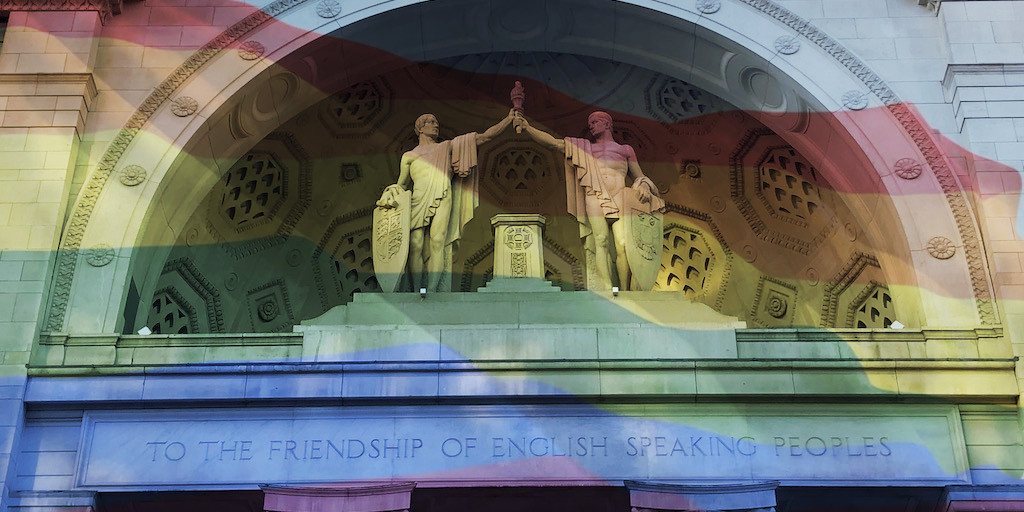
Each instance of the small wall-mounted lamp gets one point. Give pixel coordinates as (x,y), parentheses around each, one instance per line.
(615,291)
(423,293)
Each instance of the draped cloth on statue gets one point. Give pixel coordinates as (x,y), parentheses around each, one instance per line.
(583,178)
(432,175)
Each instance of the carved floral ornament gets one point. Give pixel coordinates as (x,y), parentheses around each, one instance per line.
(328,8)
(787,45)
(251,50)
(184,106)
(99,255)
(855,100)
(132,175)
(777,306)
(908,168)
(941,248)
(709,6)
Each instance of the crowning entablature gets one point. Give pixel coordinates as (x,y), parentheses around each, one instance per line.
(229,95)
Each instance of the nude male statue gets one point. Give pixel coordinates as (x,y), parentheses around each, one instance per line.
(595,182)
(444,195)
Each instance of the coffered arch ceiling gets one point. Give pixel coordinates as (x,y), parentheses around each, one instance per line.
(782,209)
(753,228)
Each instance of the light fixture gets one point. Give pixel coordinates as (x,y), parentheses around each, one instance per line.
(423,293)
(615,291)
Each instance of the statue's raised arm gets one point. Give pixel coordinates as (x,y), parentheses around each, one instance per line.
(597,196)
(543,138)
(440,182)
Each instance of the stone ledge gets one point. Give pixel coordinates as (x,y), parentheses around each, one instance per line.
(976,381)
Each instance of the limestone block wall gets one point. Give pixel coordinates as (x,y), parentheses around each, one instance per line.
(46,90)
(69,81)
(962,67)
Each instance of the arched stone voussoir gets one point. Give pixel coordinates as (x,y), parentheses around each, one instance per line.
(217,104)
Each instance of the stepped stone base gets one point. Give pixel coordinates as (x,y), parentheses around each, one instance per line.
(520,325)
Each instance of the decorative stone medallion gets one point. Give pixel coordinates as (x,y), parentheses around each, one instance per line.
(691,169)
(518,238)
(787,45)
(132,175)
(294,258)
(851,231)
(812,276)
(99,255)
(708,6)
(184,106)
(717,204)
(855,100)
(748,253)
(328,8)
(268,311)
(251,50)
(941,248)
(777,306)
(908,168)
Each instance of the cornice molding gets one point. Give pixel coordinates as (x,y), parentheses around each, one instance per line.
(105,8)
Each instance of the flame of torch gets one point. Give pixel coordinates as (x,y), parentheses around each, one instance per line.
(518,96)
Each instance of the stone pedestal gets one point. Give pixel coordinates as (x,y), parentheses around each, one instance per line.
(518,254)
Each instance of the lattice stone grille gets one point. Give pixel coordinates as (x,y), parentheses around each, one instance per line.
(253,188)
(170,314)
(353,265)
(875,309)
(789,183)
(520,170)
(685,262)
(356,104)
(680,100)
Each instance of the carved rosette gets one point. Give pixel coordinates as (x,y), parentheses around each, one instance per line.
(251,50)
(328,8)
(908,168)
(691,169)
(787,45)
(268,311)
(855,100)
(184,106)
(777,306)
(99,255)
(941,248)
(708,6)
(132,175)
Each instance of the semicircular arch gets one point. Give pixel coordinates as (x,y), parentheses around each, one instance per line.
(821,99)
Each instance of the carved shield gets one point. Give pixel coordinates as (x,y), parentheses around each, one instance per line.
(643,232)
(391,242)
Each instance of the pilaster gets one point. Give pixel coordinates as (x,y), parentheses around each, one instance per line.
(46,90)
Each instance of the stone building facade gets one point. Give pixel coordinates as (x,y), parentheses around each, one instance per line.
(191,318)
